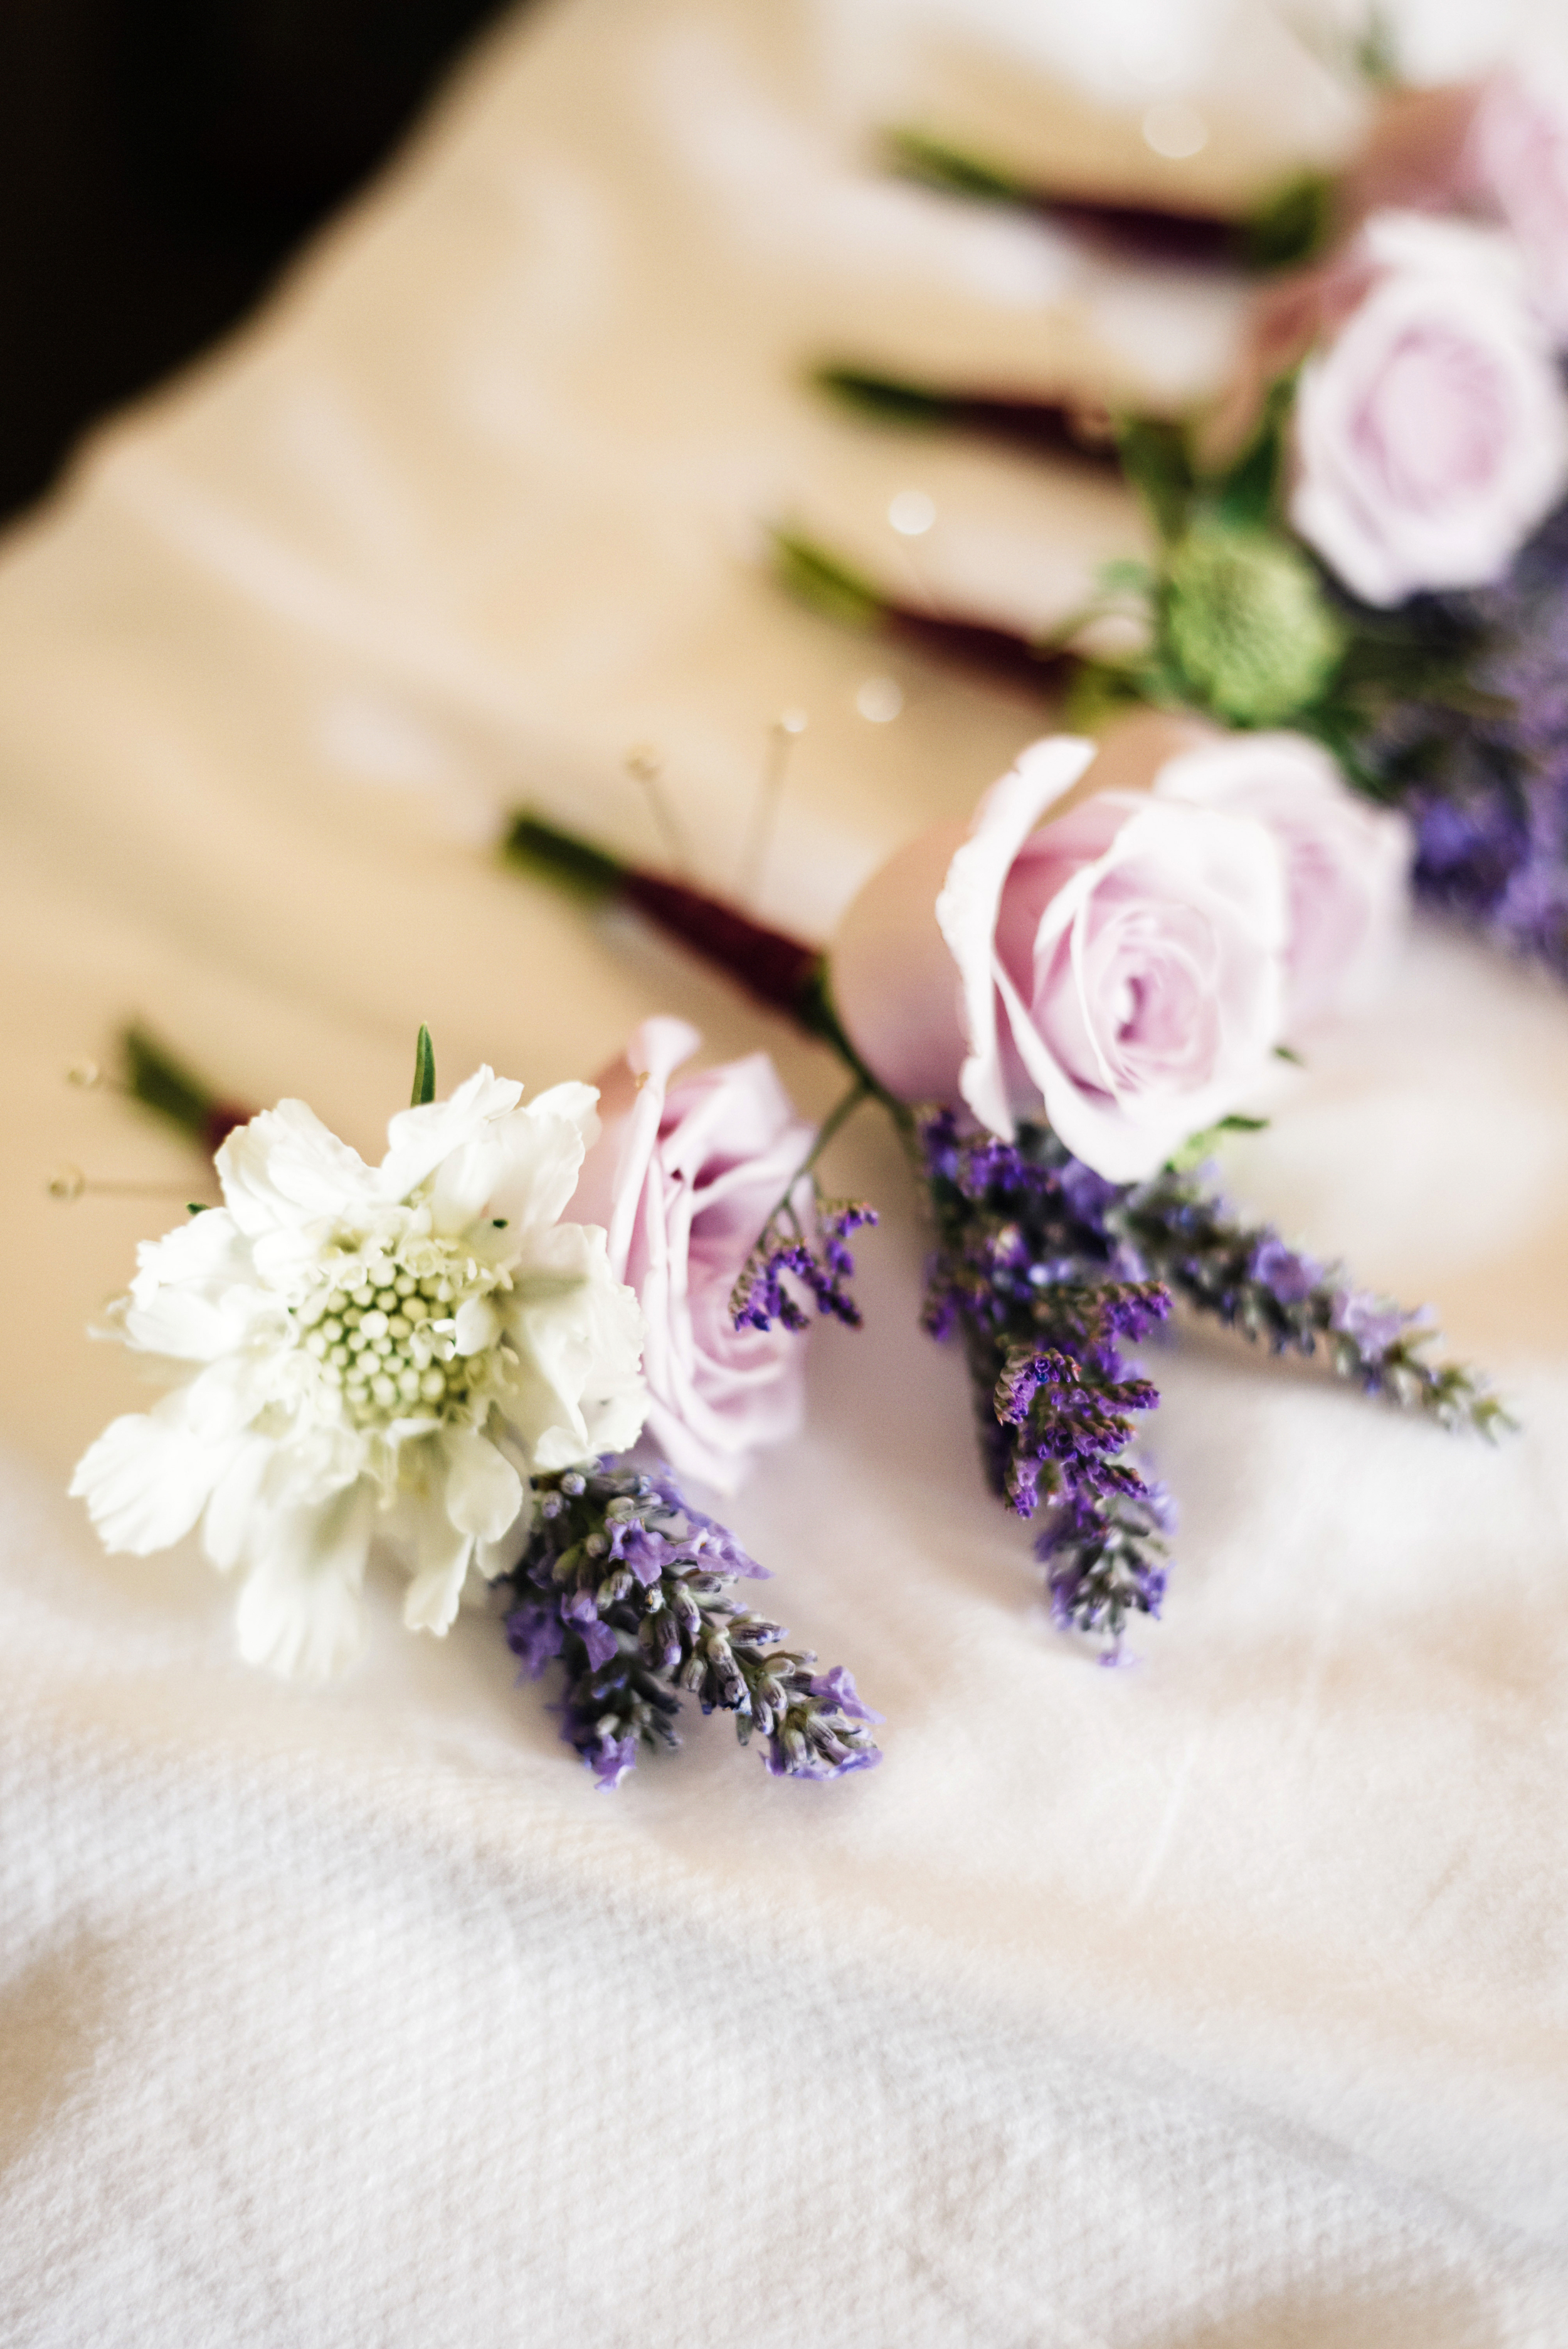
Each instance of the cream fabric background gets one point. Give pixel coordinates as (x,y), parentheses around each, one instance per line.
(1217,2004)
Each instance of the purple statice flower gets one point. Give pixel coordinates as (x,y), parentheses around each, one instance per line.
(630,1589)
(814,1254)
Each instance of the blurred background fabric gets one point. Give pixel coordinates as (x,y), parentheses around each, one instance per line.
(158,159)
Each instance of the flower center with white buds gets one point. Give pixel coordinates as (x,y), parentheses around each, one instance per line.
(383,1333)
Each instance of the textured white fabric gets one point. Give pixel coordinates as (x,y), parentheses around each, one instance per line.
(1217,2005)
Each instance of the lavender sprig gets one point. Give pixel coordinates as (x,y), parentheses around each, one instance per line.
(631,1589)
(1047,1270)
(1489,788)
(806,1237)
(814,1253)
(1025,1271)
(1184,1232)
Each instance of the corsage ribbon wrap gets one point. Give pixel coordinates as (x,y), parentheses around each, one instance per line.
(1055,1004)
(445,1353)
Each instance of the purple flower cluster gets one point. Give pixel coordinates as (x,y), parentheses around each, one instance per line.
(632,1590)
(819,1258)
(1029,1274)
(1183,1231)
(1046,1271)
(1490,800)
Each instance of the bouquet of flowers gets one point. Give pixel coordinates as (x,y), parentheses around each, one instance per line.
(1058,1015)
(460,1354)
(1362,540)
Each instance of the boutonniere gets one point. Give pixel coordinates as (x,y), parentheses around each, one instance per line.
(1362,540)
(456,1356)
(1058,1007)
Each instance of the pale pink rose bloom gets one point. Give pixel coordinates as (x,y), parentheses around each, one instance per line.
(1431,432)
(1515,161)
(1121,970)
(1347,865)
(684,1177)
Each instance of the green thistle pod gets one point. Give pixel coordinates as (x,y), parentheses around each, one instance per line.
(1248,623)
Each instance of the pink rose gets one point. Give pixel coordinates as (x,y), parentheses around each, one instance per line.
(1121,971)
(684,1178)
(1431,435)
(1515,161)
(1347,865)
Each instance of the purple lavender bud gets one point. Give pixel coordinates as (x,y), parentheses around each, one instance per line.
(1288,1276)
(1371,1322)
(535,1634)
(612,1761)
(1087,1194)
(837,1685)
(599,1644)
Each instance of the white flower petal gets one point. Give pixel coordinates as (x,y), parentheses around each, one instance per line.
(300,1611)
(232,1510)
(207,1253)
(539,1154)
(420,1138)
(285,1167)
(146,1479)
(578,1334)
(430,1603)
(484,1491)
(478,1325)
(184,1325)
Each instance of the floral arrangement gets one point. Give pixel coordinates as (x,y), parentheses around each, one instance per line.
(1058,1007)
(493,1353)
(1362,540)
(456,1353)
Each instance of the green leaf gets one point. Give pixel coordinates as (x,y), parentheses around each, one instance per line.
(1247,495)
(1291,225)
(560,858)
(1102,689)
(197,1207)
(154,1076)
(1378,51)
(886,399)
(1125,575)
(424,1071)
(1156,461)
(962,174)
(819,579)
(1193,1151)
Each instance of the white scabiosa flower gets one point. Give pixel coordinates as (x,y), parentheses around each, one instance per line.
(397,1347)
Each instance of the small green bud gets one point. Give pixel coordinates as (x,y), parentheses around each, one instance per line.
(1249,626)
